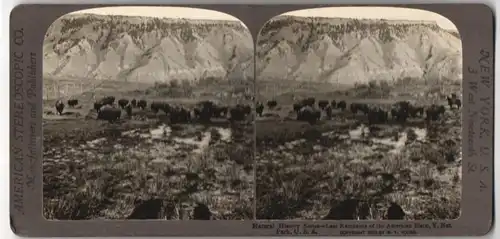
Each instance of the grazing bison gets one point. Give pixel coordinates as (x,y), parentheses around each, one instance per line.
(128,110)
(400,111)
(133,102)
(220,111)
(355,107)
(109,113)
(416,111)
(247,109)
(309,114)
(405,105)
(122,103)
(454,101)
(259,108)
(333,104)
(322,104)
(97,106)
(204,111)
(156,106)
(236,114)
(72,103)
(342,105)
(59,106)
(328,111)
(434,112)
(377,115)
(142,104)
(108,100)
(179,114)
(308,102)
(297,107)
(271,104)
(239,112)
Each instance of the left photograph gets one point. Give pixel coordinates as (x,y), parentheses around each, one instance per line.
(148,114)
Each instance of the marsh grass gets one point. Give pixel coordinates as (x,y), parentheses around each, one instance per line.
(100,172)
(302,177)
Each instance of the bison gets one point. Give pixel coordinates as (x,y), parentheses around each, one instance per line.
(122,103)
(205,110)
(434,112)
(142,104)
(179,114)
(59,107)
(128,109)
(377,115)
(297,107)
(72,103)
(308,102)
(328,111)
(239,112)
(333,104)
(342,105)
(220,111)
(355,107)
(156,106)
(271,104)
(404,105)
(108,100)
(259,108)
(247,109)
(400,111)
(309,114)
(97,106)
(109,113)
(322,104)
(454,101)
(399,115)
(416,111)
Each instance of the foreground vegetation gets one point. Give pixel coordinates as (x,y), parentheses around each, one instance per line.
(303,170)
(95,169)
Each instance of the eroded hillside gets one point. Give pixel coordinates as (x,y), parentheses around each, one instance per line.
(335,50)
(356,51)
(146,49)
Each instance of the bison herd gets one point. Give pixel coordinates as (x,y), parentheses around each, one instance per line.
(203,111)
(310,110)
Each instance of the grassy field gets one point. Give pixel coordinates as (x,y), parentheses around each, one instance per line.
(94,169)
(304,170)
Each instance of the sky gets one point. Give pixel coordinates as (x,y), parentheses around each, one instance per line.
(162,12)
(389,13)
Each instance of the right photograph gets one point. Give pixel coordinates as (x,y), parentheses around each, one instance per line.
(358,115)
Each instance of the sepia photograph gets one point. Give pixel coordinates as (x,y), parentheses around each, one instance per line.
(358,115)
(148,115)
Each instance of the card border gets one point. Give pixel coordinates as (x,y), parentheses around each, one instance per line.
(475,23)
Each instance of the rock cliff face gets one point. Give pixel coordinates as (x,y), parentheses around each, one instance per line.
(348,51)
(146,49)
(357,51)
